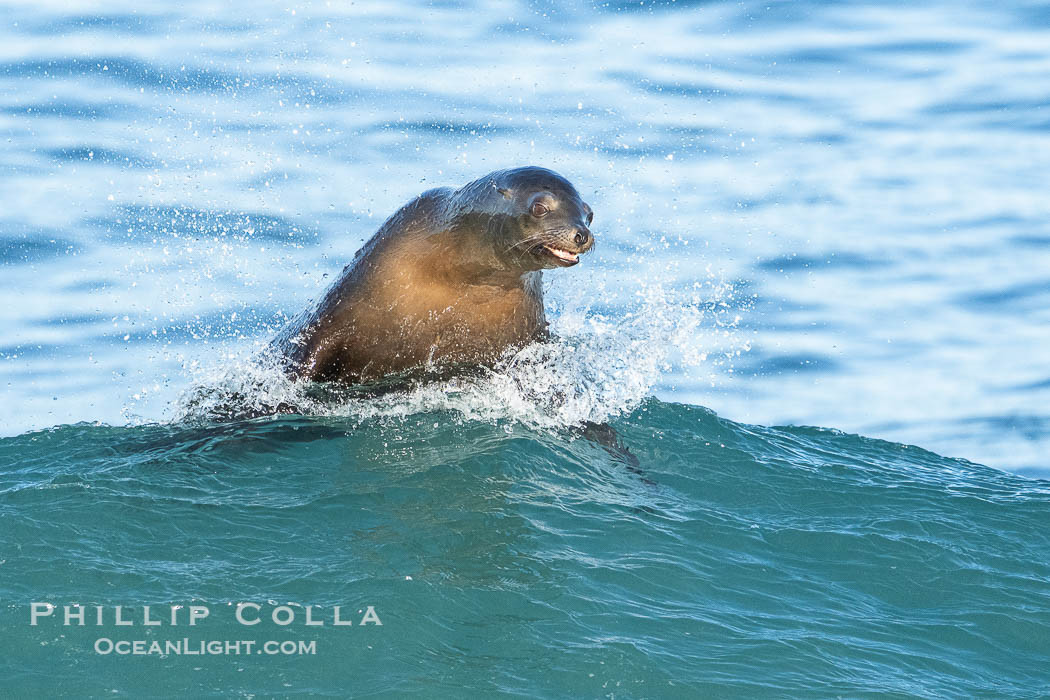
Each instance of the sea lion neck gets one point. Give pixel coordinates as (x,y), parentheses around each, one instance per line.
(458,257)
(474,246)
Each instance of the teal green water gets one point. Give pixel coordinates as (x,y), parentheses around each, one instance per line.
(742,561)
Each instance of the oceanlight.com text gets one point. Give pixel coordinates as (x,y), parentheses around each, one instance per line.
(187,647)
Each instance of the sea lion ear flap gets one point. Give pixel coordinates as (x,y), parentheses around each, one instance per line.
(502,190)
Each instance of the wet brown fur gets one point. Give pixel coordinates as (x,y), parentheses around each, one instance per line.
(453,277)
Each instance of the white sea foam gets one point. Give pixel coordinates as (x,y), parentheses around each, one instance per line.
(600,364)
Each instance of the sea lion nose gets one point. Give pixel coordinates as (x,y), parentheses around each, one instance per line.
(582,236)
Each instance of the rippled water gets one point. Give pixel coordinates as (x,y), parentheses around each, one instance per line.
(807,213)
(174,180)
(743,561)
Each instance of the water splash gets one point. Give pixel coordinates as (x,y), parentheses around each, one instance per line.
(598,366)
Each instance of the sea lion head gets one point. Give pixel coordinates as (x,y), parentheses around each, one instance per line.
(548,224)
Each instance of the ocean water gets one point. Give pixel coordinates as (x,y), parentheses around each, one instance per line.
(807,214)
(741,561)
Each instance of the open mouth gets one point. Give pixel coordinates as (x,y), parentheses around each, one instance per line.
(560,255)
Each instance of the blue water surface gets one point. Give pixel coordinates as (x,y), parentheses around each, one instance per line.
(870,177)
(741,562)
(807,214)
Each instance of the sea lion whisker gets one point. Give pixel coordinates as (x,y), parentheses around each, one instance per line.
(539,238)
(548,237)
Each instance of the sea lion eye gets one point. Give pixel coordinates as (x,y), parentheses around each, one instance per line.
(590,217)
(538,209)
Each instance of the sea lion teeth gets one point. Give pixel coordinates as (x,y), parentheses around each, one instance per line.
(563,254)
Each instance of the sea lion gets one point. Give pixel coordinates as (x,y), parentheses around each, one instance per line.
(452,278)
